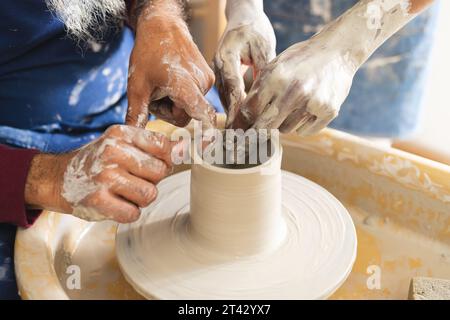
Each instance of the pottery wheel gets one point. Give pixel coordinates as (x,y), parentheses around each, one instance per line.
(160,260)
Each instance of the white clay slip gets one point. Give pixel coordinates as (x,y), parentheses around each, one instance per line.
(255,233)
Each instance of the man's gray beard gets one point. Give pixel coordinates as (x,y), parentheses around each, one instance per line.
(89,20)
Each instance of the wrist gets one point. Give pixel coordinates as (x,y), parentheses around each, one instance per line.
(365,27)
(143,10)
(158,15)
(243,11)
(44,182)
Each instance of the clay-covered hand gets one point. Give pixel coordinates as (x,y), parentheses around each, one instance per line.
(248,41)
(108,179)
(165,62)
(302,89)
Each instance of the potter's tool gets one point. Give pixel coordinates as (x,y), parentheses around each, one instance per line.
(251,233)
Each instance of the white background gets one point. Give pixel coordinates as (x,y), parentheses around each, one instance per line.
(435,129)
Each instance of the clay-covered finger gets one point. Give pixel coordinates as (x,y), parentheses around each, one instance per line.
(313,128)
(251,108)
(262,54)
(189,98)
(316,126)
(132,159)
(294,120)
(203,75)
(305,123)
(138,99)
(281,108)
(141,164)
(230,83)
(271,117)
(122,211)
(103,205)
(323,114)
(154,143)
(135,190)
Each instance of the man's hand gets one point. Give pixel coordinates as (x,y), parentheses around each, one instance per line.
(248,40)
(166,63)
(108,179)
(302,89)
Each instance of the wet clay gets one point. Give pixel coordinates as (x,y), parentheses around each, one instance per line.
(255,233)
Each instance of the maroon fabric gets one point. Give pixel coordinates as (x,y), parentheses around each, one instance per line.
(14,165)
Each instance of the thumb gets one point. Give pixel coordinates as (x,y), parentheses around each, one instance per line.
(230,83)
(138,100)
(192,101)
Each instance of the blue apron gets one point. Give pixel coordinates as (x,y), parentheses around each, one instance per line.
(385,99)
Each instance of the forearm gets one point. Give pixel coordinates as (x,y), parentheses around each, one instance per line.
(242,10)
(43,185)
(418,5)
(235,5)
(367,25)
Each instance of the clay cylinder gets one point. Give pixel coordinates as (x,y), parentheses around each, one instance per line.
(238,211)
